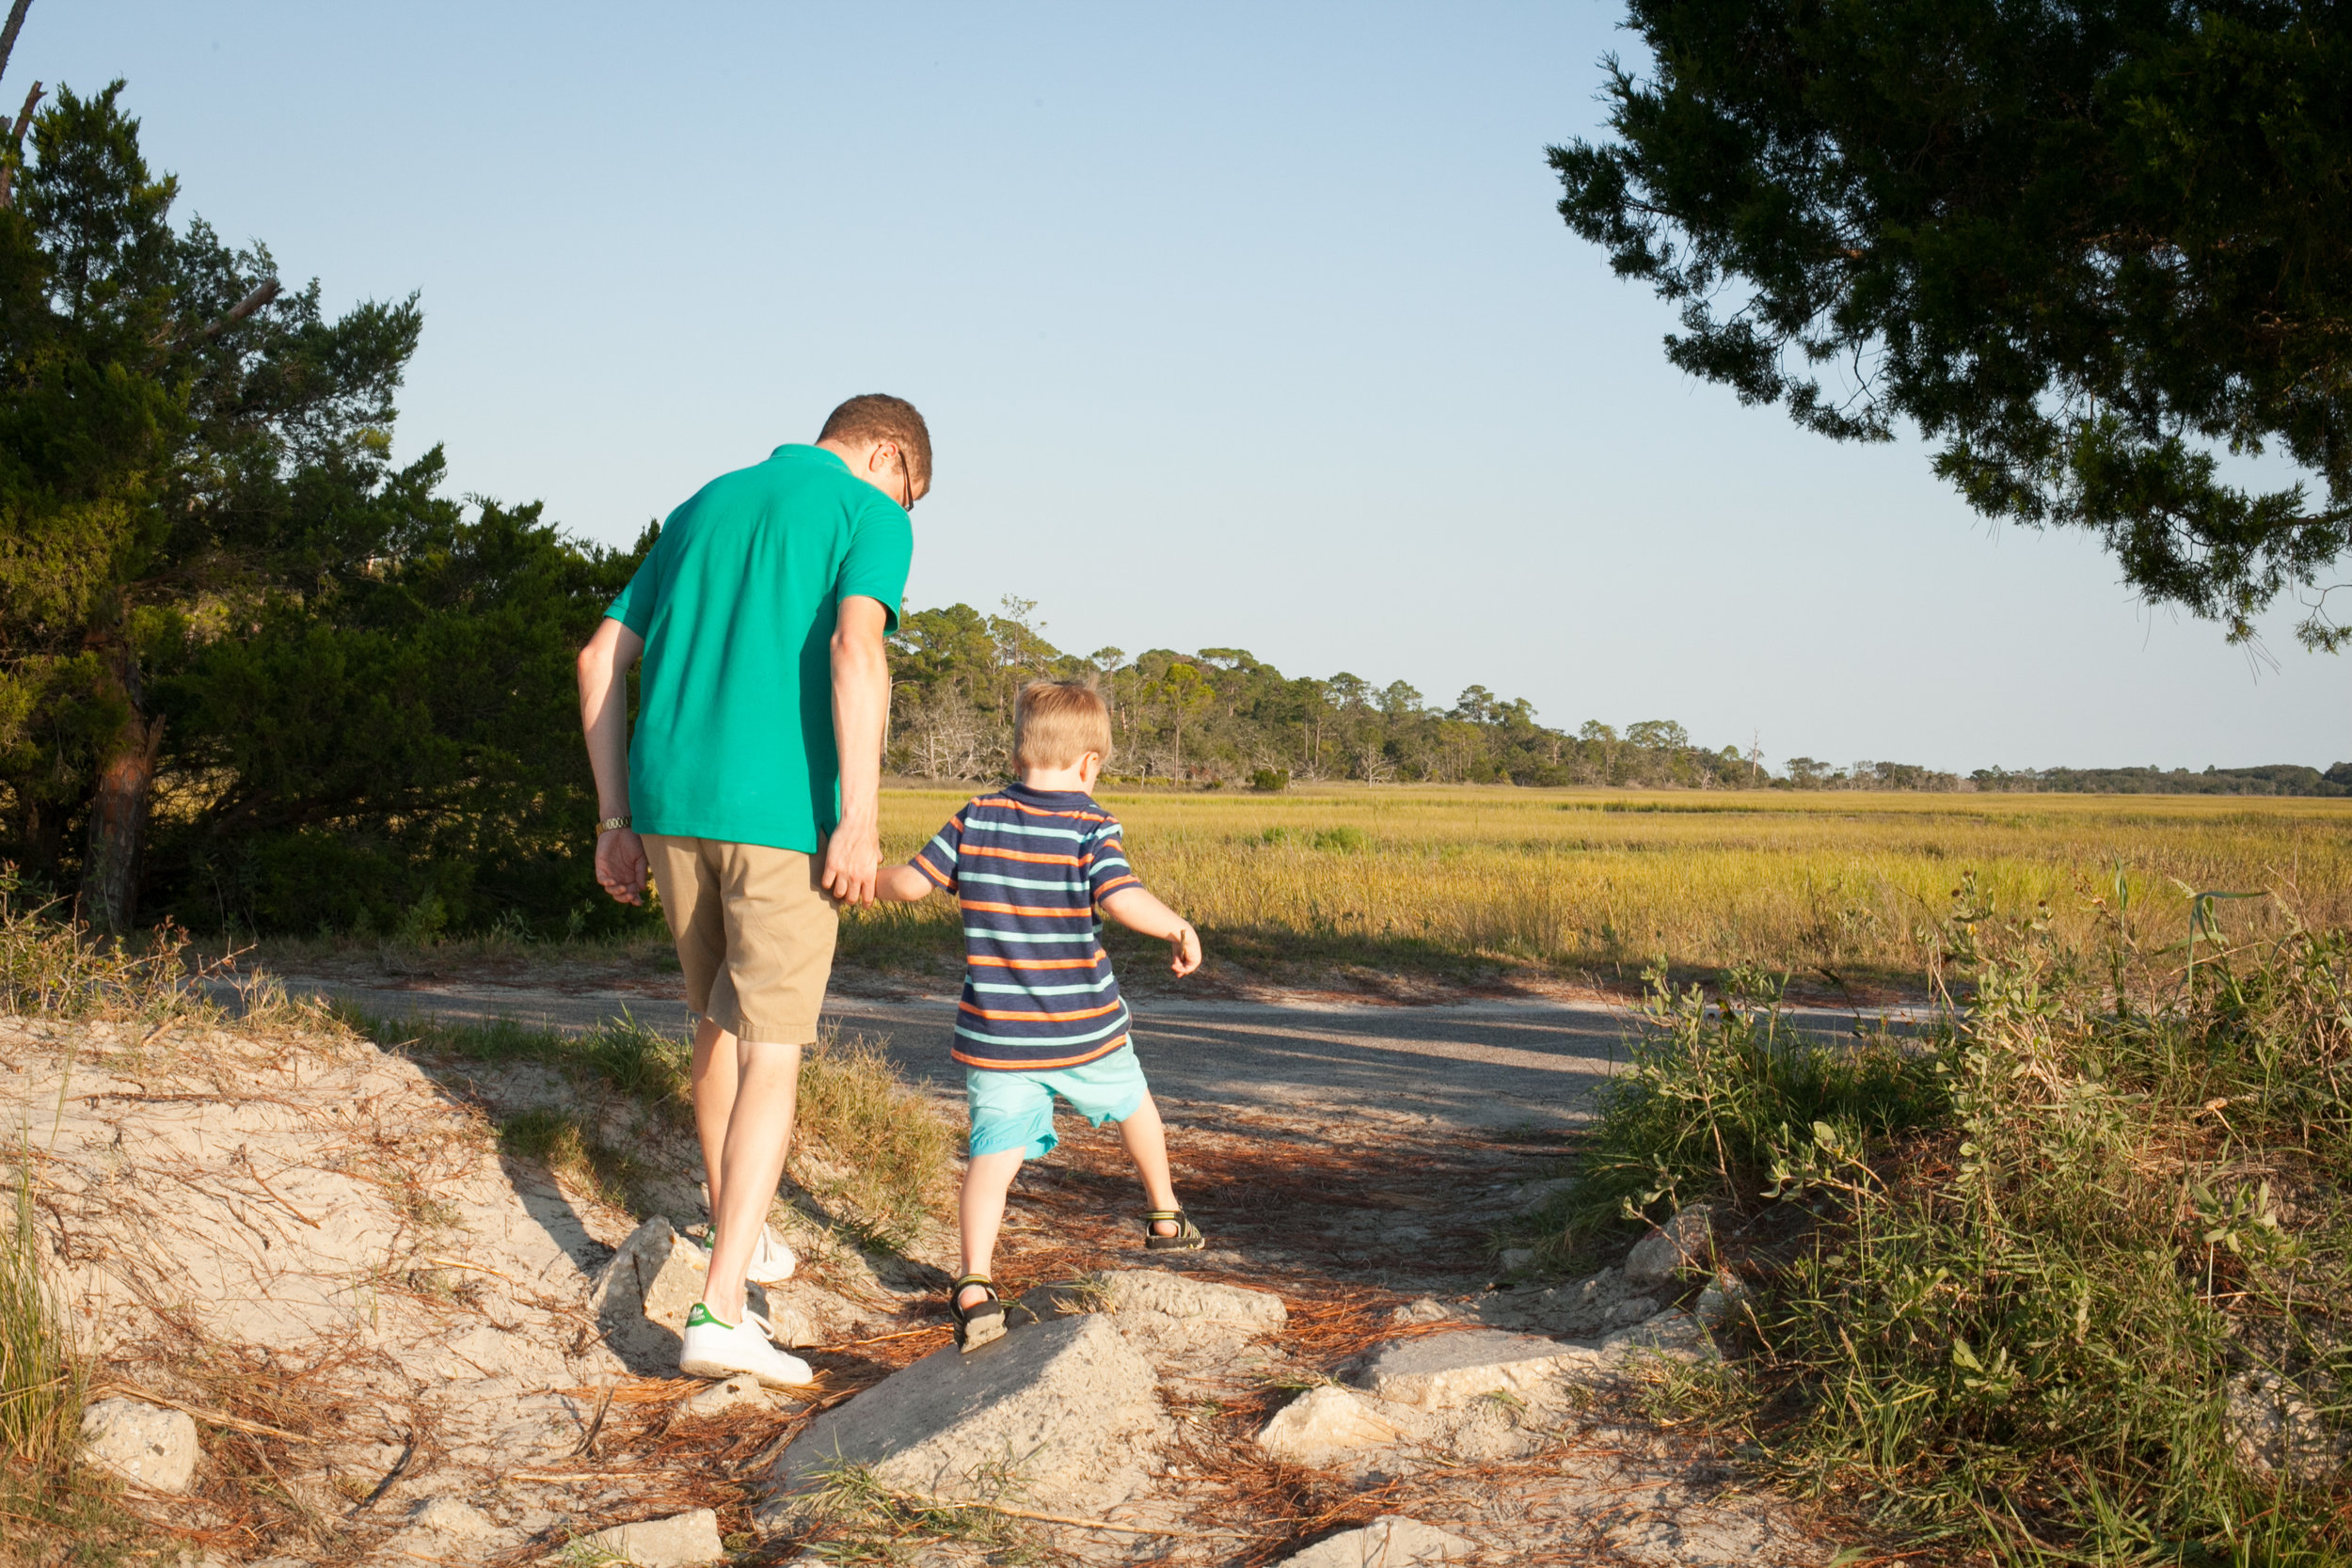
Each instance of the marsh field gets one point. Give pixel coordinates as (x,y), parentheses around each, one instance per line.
(1472,885)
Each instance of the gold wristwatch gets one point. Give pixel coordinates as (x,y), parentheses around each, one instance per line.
(611,824)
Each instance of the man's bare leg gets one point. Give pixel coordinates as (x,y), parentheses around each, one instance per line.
(714,1078)
(1145,1137)
(744,1096)
(987,1177)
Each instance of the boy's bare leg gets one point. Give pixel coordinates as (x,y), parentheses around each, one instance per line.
(987,1177)
(1145,1137)
(745,1095)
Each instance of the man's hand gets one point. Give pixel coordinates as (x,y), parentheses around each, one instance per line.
(621,865)
(861,713)
(1183,949)
(852,860)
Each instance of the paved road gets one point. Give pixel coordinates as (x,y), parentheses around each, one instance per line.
(1479,1065)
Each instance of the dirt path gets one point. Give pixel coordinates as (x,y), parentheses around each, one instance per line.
(1488,1064)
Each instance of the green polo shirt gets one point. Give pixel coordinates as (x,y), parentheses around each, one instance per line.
(737,602)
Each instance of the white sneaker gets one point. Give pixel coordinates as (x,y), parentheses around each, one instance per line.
(714,1349)
(772,1262)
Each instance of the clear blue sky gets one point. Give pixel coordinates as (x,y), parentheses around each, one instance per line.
(1236,326)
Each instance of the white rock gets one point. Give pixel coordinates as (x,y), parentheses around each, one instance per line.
(1322,1425)
(447,1517)
(1684,1242)
(1633,1310)
(740,1391)
(671,1543)
(1516,1257)
(1194,1300)
(1388,1542)
(139,1443)
(1675,1336)
(1428,1310)
(1532,1195)
(1441,1372)
(1066,1406)
(2272,1428)
(1726,1300)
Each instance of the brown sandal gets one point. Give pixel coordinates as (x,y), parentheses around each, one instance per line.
(1187,1237)
(981,1322)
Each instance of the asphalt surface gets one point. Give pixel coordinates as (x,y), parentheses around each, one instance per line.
(1486,1065)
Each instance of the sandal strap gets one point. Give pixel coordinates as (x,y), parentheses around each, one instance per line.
(990,1305)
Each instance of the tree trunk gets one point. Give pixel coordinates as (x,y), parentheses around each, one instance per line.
(117,817)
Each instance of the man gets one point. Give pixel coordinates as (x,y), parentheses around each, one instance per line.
(750,792)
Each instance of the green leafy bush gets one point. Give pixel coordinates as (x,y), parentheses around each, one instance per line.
(2015,1279)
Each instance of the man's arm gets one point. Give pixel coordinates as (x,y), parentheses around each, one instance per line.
(604,720)
(861,708)
(1138,910)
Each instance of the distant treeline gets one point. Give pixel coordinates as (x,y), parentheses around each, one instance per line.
(1220,716)
(2283,778)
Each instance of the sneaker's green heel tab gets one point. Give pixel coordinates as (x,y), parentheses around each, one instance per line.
(699,1316)
(1187,1237)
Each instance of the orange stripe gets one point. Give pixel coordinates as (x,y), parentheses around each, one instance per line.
(1037,963)
(1035,811)
(935,877)
(1019,855)
(1037,1017)
(1040,1066)
(1027,909)
(1114,885)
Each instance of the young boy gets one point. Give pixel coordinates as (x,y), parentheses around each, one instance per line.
(1041,1015)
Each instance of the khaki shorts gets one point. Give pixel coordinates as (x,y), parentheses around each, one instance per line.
(755,933)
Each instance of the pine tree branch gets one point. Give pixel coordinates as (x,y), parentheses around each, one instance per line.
(7,39)
(242,309)
(14,152)
(24,118)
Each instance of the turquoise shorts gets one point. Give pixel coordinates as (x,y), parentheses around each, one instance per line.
(1015,1110)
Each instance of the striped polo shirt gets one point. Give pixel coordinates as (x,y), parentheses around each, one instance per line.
(1028,866)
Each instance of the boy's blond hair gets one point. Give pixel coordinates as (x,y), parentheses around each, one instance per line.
(1057,722)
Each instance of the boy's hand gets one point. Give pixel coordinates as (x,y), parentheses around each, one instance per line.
(1183,949)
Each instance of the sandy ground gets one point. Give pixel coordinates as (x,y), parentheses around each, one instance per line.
(288,1227)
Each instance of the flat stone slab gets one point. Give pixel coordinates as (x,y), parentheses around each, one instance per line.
(1323,1423)
(671,1543)
(1174,1295)
(1063,1411)
(1390,1540)
(1441,1372)
(140,1443)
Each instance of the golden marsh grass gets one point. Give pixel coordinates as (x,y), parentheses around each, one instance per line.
(1451,879)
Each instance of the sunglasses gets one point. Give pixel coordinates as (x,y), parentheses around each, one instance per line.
(906,479)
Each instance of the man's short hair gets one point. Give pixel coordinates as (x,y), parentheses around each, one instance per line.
(879,417)
(1057,722)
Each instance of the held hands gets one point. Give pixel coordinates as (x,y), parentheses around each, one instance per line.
(621,864)
(852,860)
